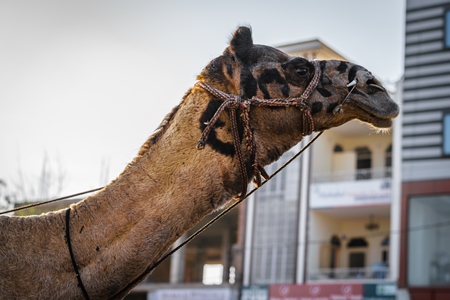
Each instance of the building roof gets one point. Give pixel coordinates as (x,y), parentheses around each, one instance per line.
(312,49)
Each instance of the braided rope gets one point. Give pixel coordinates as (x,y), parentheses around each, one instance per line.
(234,102)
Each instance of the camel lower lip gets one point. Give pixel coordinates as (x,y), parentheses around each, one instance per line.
(376,118)
(381,122)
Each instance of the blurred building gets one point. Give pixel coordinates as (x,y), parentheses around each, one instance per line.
(323,225)
(274,221)
(425,152)
(358,216)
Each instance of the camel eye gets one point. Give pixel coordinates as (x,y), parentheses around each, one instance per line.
(301,71)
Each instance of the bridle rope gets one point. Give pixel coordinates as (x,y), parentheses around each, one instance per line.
(234,102)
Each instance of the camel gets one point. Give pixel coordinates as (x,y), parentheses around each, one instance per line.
(101,247)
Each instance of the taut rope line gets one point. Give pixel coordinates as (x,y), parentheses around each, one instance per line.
(49,201)
(220,215)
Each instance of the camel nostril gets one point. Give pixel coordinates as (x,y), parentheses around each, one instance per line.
(374,84)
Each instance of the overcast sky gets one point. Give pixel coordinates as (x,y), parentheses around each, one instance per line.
(88,81)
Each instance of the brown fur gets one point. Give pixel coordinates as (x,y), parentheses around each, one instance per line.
(170,186)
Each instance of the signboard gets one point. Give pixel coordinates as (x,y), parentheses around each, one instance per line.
(192,294)
(380,291)
(255,292)
(362,192)
(345,291)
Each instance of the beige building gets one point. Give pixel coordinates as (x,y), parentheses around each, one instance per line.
(328,217)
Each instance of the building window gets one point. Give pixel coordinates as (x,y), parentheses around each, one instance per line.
(385,251)
(363,163)
(446,134)
(212,274)
(428,241)
(357,257)
(447,29)
(388,162)
(338,148)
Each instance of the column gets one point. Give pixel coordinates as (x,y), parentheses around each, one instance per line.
(303,214)
(177,262)
(396,192)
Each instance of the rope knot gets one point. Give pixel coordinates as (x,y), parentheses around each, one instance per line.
(234,102)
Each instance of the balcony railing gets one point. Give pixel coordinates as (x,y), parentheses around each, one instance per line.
(370,273)
(360,174)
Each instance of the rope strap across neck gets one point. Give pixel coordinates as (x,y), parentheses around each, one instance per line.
(235,102)
(72,257)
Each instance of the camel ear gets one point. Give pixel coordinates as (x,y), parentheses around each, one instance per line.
(241,43)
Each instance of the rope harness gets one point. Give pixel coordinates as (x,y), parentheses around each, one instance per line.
(234,102)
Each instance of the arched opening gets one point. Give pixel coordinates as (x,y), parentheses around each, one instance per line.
(338,148)
(357,257)
(357,243)
(363,163)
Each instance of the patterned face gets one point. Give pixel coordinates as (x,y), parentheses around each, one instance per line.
(368,100)
(251,70)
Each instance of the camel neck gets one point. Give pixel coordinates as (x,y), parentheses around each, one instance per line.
(126,227)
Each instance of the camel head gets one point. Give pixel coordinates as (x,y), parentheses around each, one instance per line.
(367,100)
(252,70)
(249,70)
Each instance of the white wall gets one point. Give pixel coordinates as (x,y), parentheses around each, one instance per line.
(356,228)
(322,227)
(322,153)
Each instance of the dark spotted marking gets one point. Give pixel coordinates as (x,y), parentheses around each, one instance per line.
(230,70)
(352,72)
(81,229)
(248,83)
(331,107)
(214,69)
(316,107)
(97,249)
(219,146)
(269,76)
(323,64)
(342,67)
(325,80)
(325,93)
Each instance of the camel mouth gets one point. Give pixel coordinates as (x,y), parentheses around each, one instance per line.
(378,122)
(380,110)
